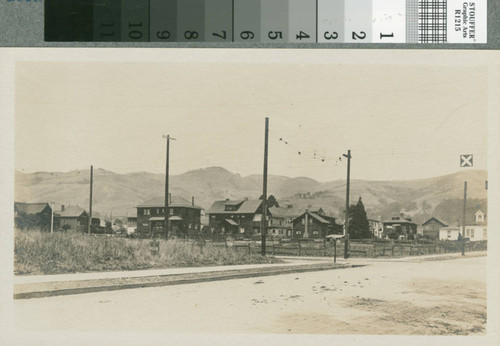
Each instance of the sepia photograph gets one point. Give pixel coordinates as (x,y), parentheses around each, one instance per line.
(250,196)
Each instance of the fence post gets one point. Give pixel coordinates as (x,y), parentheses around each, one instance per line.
(249,250)
(299,247)
(392,250)
(334,250)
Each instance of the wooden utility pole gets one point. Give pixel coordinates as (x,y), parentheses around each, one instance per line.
(167,213)
(463,218)
(90,199)
(51,218)
(346,223)
(264,192)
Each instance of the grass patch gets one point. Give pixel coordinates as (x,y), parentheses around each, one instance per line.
(37,253)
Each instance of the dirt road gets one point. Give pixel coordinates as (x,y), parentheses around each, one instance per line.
(403,298)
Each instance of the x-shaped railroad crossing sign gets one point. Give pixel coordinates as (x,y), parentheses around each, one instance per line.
(466,160)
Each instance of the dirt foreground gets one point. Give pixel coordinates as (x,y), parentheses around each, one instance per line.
(398,298)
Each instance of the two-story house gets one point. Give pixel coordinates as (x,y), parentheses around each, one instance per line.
(184,217)
(314,225)
(399,227)
(237,217)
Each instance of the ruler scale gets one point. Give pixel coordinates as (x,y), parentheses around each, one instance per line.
(267,21)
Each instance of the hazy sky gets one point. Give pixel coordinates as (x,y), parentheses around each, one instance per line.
(401,121)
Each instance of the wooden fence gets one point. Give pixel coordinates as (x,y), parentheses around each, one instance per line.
(357,248)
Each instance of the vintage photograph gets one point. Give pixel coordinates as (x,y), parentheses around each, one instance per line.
(285,194)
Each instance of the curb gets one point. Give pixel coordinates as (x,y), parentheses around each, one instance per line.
(52,289)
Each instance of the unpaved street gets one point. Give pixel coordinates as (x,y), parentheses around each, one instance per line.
(433,298)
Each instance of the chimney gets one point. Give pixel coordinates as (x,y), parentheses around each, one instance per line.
(192,200)
(402,215)
(62,207)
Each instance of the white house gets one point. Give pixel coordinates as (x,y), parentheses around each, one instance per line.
(449,232)
(474,232)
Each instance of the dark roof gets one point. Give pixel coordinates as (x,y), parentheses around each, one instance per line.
(398,221)
(319,218)
(30,208)
(292,211)
(247,207)
(286,212)
(71,211)
(433,218)
(234,202)
(314,216)
(176,201)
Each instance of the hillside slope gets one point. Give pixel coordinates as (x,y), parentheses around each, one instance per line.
(120,193)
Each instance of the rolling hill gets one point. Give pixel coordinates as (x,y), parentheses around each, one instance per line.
(119,193)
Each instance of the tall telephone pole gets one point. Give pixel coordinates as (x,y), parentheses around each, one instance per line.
(264,192)
(463,217)
(346,223)
(167,213)
(90,199)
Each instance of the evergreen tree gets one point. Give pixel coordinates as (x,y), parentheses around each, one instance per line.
(359,227)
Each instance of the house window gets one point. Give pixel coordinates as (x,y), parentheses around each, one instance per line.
(171,211)
(303,221)
(242,230)
(467,233)
(189,226)
(449,234)
(298,232)
(147,212)
(315,233)
(472,233)
(213,216)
